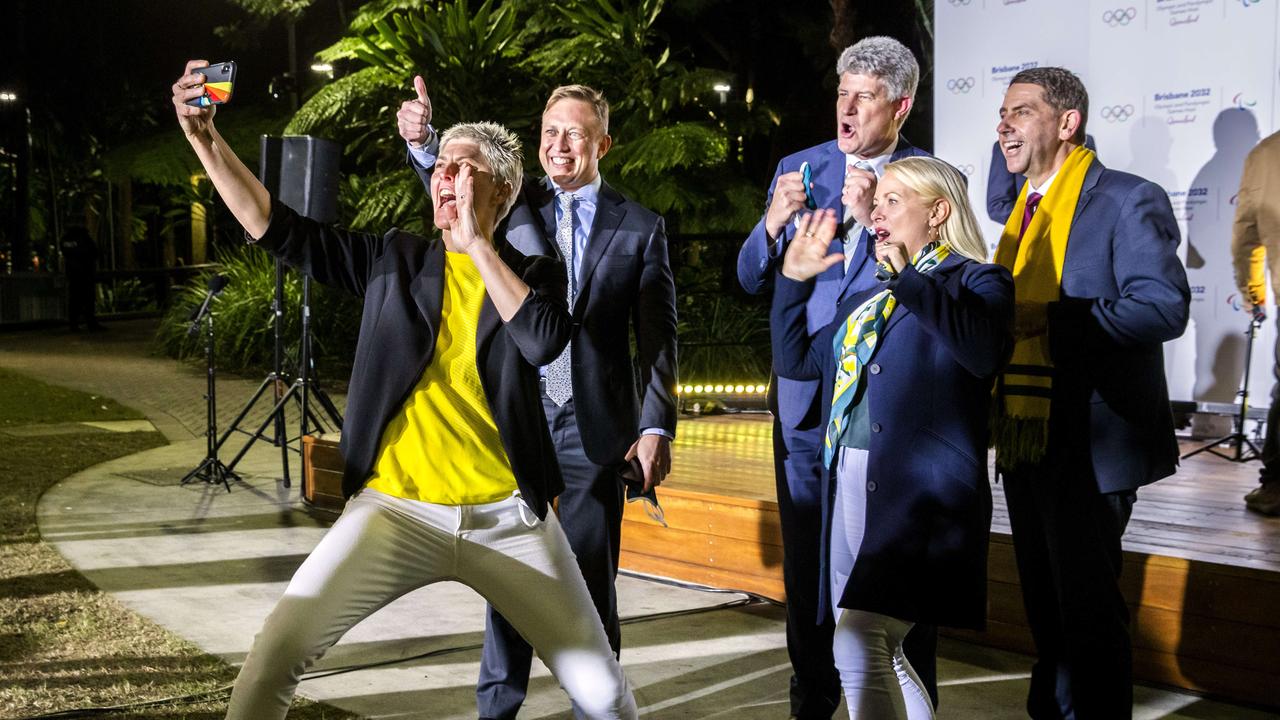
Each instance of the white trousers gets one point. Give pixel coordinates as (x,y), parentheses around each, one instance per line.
(878,681)
(383,547)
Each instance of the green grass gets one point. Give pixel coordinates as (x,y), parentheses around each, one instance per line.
(24,401)
(63,643)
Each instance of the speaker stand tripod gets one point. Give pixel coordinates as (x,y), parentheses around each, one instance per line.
(300,391)
(1238,437)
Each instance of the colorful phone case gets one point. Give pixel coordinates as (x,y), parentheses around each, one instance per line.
(220,78)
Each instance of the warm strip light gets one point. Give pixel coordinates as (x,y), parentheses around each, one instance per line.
(723,388)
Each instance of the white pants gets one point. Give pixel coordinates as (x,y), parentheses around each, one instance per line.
(878,681)
(383,547)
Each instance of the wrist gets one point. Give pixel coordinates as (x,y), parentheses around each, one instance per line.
(200,139)
(793,276)
(773,231)
(479,247)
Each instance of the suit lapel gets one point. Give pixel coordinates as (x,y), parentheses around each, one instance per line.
(1091,177)
(609,214)
(545,201)
(427,289)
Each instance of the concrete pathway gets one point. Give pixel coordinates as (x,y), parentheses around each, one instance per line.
(209,565)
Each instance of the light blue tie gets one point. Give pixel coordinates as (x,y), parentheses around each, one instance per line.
(853,235)
(559,374)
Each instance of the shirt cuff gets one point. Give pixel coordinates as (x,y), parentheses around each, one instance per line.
(778,247)
(426,154)
(658,431)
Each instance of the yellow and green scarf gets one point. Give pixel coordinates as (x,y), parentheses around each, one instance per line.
(855,342)
(1020,424)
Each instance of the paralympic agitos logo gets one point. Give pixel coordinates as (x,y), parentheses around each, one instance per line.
(960,86)
(1116,113)
(1120,16)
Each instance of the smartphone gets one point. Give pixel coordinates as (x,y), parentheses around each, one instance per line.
(220,78)
(806,173)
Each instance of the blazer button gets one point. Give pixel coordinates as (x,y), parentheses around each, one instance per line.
(871,486)
(874,368)
(875,427)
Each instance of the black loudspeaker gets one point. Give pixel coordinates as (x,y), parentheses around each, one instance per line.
(301,171)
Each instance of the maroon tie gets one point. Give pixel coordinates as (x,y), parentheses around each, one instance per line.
(1033,202)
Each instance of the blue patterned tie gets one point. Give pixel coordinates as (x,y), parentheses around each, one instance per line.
(559,374)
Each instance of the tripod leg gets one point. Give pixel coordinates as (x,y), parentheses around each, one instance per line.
(258,433)
(1210,446)
(247,407)
(327,403)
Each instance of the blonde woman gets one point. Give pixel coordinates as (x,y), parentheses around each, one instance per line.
(906,370)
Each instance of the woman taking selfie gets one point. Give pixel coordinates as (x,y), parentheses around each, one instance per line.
(906,370)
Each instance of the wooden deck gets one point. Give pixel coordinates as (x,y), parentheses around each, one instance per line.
(1202,574)
(1198,514)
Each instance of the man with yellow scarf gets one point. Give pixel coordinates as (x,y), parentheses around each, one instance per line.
(1082,414)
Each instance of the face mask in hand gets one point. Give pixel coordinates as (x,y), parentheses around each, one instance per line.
(632,475)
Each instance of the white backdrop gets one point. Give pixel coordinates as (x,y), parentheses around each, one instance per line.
(1179,91)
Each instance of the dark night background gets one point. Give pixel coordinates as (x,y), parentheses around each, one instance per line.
(82,68)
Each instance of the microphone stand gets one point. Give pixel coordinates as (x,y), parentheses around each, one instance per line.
(211,469)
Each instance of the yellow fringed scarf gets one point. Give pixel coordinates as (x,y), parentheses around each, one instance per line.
(1020,425)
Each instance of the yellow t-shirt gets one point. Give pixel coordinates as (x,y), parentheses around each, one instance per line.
(444,446)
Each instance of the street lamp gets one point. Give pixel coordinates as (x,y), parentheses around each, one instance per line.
(723,89)
(323,69)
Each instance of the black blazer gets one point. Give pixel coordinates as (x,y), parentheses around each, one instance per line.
(400,276)
(928,391)
(625,284)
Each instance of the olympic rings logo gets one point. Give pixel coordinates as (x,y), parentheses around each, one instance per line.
(960,3)
(960,85)
(966,169)
(1117,113)
(1120,17)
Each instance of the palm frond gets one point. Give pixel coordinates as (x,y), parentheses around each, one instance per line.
(676,146)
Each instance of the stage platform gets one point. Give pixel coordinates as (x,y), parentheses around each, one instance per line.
(1202,574)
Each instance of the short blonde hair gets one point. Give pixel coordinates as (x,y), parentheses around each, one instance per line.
(501,150)
(933,179)
(588,95)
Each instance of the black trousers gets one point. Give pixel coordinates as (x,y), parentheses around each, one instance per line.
(590,512)
(1066,538)
(815,683)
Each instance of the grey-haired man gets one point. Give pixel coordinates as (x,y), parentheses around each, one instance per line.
(878,78)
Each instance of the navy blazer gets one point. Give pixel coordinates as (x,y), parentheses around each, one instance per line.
(928,392)
(625,285)
(757,264)
(1124,294)
(401,278)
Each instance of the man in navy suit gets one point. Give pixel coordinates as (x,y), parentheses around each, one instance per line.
(1071,484)
(878,77)
(603,405)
